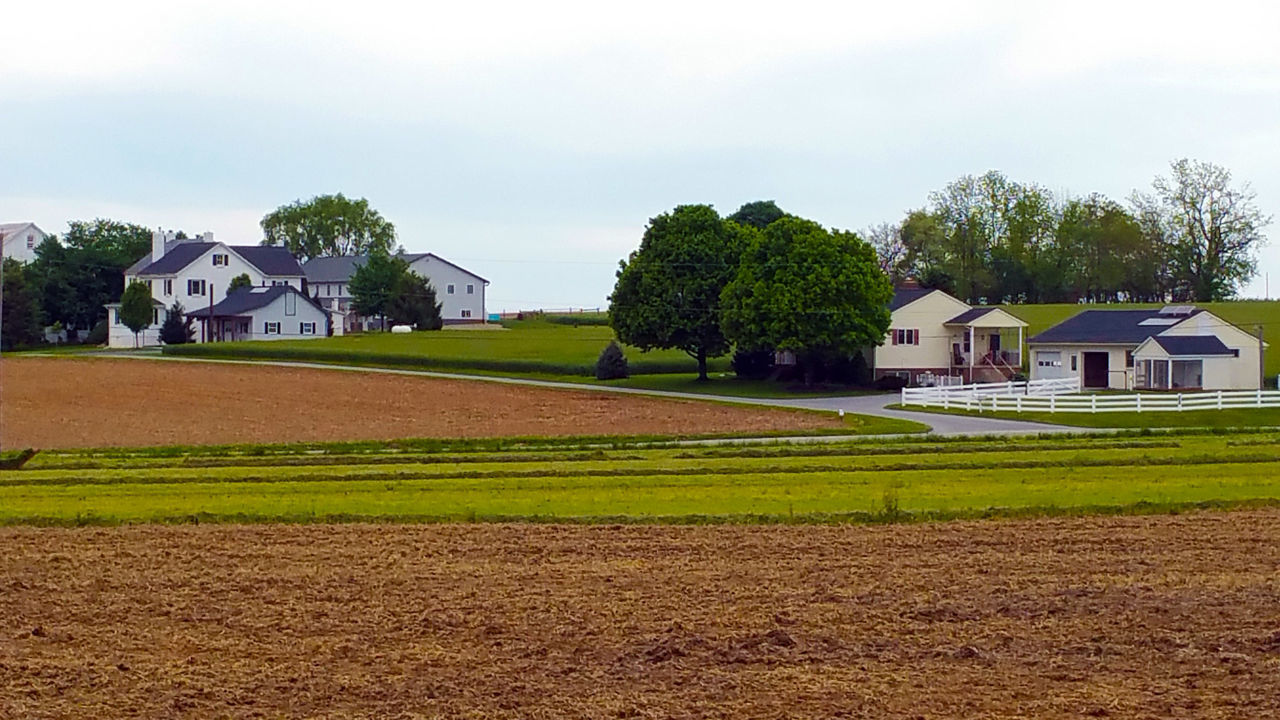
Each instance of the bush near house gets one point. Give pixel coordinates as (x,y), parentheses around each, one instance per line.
(612,364)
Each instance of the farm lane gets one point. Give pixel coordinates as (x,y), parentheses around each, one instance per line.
(875,405)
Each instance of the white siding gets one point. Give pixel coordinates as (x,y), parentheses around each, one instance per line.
(1119,377)
(927,315)
(20,244)
(1238,373)
(459,305)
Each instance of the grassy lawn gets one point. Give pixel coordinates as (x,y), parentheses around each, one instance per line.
(531,347)
(1233,418)
(634,482)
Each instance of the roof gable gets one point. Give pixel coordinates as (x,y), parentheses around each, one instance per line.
(271,261)
(246,300)
(1103,327)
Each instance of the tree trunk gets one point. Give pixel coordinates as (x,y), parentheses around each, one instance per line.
(702,364)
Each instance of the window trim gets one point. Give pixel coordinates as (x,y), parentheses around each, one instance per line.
(266,327)
(304,330)
(448,289)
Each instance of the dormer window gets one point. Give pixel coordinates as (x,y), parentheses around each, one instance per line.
(220,259)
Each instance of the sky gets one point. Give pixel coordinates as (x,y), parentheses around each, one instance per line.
(531,142)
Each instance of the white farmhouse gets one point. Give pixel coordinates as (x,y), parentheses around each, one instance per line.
(1177,347)
(20,240)
(196,272)
(459,291)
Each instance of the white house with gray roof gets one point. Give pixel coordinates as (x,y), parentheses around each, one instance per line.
(1176,347)
(459,291)
(196,272)
(20,240)
(274,312)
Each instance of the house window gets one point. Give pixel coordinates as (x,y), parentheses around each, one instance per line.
(1049,359)
(220,260)
(1073,362)
(1128,358)
(271,328)
(274,283)
(168,287)
(31,241)
(906,337)
(466,313)
(449,289)
(307,328)
(471,289)
(195,287)
(115,317)
(243,327)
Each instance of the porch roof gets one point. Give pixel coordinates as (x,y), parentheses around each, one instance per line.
(987,317)
(1184,346)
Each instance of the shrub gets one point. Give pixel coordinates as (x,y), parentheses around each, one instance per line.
(612,363)
(98,335)
(580,319)
(753,364)
(891,382)
(176,328)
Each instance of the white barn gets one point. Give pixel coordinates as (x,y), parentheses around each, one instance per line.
(459,291)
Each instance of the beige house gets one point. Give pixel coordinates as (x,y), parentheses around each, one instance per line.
(1177,347)
(933,335)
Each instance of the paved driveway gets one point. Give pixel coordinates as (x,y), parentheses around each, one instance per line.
(941,424)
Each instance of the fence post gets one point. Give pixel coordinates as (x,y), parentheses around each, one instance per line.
(1093,404)
(1138,399)
(1219,399)
(1018,399)
(1053,403)
(1259,397)
(1179,402)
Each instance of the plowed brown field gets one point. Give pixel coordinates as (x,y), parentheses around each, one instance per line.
(68,403)
(1151,617)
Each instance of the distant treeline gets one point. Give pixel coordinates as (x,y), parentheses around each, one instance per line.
(990,239)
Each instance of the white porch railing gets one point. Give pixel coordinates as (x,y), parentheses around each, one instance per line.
(958,395)
(1149,402)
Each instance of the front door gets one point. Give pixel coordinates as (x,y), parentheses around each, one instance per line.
(1096,369)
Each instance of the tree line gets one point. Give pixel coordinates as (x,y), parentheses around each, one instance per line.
(1194,236)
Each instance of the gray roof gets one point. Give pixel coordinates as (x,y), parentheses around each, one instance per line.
(245,300)
(1193,345)
(907,295)
(1107,327)
(271,261)
(339,269)
(968,316)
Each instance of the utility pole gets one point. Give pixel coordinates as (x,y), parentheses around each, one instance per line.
(1262,373)
(1,339)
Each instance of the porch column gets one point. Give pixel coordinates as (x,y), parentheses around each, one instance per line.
(1168,383)
(973,350)
(1020,348)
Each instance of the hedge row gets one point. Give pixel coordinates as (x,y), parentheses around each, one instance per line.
(267,351)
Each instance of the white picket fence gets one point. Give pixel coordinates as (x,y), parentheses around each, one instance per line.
(1138,402)
(956,395)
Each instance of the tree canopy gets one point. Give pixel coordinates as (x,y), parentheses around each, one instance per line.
(667,293)
(177,328)
(20,325)
(1211,230)
(803,288)
(758,214)
(328,225)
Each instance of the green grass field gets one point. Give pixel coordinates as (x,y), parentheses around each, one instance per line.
(920,478)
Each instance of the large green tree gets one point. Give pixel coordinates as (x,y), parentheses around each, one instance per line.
(136,308)
(79,276)
(374,284)
(1212,229)
(800,287)
(667,293)
(20,322)
(328,225)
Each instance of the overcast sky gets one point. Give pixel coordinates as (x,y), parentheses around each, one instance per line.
(531,142)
